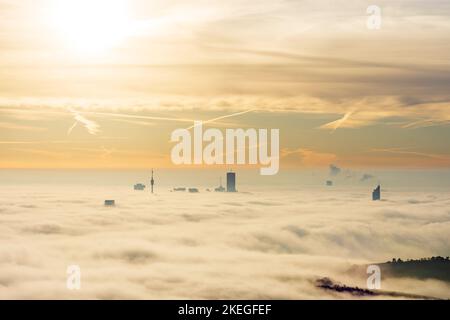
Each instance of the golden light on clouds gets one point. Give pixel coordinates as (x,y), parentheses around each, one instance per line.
(112,72)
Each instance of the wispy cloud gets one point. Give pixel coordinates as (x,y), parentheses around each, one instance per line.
(408,151)
(426,123)
(354,112)
(338,123)
(91,126)
(14,126)
(122,116)
(304,157)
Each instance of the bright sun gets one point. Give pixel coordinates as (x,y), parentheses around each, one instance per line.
(92,26)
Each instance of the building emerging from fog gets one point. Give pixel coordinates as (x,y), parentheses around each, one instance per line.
(376,194)
(231,182)
(220,188)
(110,203)
(139,186)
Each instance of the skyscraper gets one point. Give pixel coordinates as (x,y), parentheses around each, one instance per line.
(231,182)
(376,195)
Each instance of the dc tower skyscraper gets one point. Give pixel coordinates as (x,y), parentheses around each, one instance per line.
(231,181)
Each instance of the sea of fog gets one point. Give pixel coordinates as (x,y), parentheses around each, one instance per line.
(266,241)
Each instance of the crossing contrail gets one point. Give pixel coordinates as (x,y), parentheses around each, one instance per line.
(224,117)
(130,116)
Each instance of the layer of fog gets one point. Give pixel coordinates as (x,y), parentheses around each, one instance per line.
(263,244)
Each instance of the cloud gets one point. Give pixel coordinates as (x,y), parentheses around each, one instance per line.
(353,112)
(302,157)
(91,126)
(338,123)
(366,177)
(409,152)
(222,57)
(15,126)
(211,246)
(334,170)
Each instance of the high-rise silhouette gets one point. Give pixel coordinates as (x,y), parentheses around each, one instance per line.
(231,182)
(376,194)
(110,203)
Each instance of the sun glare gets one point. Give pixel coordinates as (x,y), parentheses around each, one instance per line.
(91,26)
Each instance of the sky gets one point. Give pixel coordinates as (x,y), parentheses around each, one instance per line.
(102,84)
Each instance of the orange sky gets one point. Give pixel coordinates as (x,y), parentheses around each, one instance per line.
(103,83)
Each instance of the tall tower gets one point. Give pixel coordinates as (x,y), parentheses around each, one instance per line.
(231,182)
(376,194)
(220,188)
(152,182)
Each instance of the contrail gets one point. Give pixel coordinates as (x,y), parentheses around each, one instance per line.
(94,127)
(121,115)
(224,117)
(425,123)
(71,128)
(129,116)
